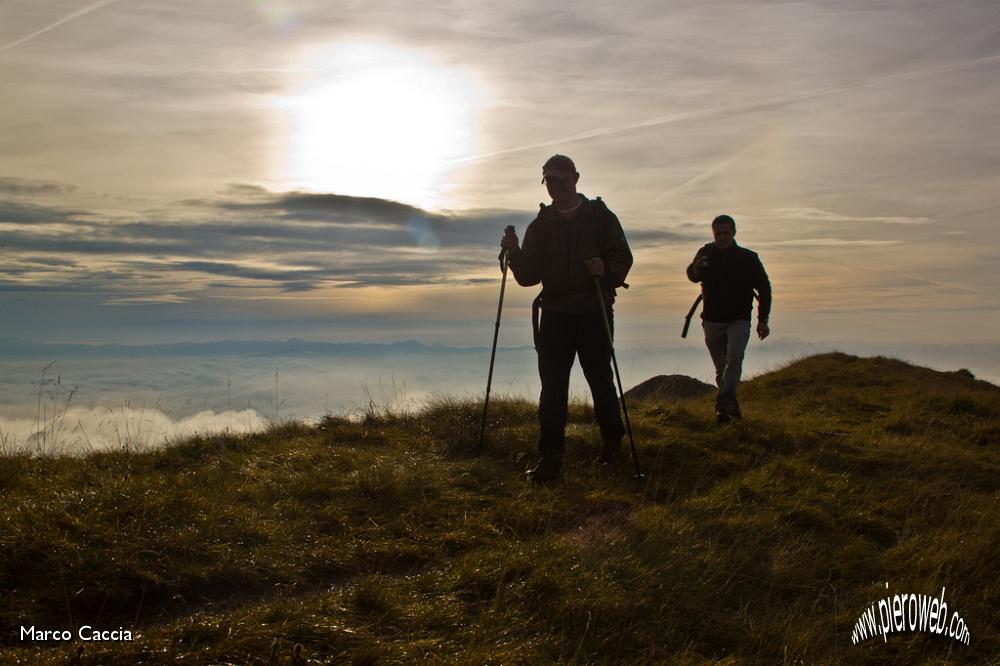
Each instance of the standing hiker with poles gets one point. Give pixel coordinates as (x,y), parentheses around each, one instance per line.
(729,276)
(569,244)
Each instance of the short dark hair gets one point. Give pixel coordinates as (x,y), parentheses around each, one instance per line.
(724,219)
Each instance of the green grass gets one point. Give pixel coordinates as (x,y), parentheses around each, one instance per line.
(390,541)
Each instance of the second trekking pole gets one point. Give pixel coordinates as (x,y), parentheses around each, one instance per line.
(504,263)
(618,377)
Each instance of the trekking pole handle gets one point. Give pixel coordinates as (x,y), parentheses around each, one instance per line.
(504,256)
(509,229)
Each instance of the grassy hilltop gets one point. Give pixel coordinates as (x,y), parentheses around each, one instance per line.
(389,541)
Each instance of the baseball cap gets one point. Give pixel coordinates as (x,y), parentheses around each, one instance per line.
(558,166)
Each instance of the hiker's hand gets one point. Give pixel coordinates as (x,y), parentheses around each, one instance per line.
(509,240)
(763,330)
(698,266)
(596,266)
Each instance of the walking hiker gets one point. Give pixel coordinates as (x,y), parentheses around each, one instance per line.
(729,276)
(569,243)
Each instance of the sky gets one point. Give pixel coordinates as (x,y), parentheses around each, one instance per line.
(343,171)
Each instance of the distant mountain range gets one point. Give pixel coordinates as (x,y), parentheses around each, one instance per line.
(14,348)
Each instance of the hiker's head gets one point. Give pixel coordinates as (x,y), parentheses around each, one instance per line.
(559,176)
(723,230)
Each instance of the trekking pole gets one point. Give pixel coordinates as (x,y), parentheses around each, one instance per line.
(687,319)
(504,263)
(614,362)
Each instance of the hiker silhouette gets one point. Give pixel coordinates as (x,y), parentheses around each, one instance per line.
(568,244)
(730,275)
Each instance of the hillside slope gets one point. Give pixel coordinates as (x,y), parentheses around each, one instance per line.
(390,541)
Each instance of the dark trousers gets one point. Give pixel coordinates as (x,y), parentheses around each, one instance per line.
(561,337)
(727,343)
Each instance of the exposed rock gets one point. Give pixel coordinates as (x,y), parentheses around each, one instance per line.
(667,388)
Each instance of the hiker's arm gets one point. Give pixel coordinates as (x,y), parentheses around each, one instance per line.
(617,255)
(762,285)
(526,261)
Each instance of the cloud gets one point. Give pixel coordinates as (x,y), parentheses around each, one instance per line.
(83,430)
(146,300)
(15,213)
(651,237)
(293,242)
(49,262)
(827,242)
(819,215)
(28,186)
(307,240)
(323,204)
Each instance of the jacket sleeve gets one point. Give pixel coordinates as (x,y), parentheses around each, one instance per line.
(528,261)
(762,285)
(617,255)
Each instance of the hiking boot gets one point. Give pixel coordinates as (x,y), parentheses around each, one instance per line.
(611,452)
(548,468)
(722,417)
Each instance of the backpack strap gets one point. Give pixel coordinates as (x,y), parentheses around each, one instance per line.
(536,305)
(602,215)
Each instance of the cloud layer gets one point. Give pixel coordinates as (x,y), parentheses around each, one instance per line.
(249,237)
(79,430)
(84,403)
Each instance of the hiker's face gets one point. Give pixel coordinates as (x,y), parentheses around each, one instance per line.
(559,183)
(723,234)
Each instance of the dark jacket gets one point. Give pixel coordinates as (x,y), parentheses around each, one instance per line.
(554,251)
(729,282)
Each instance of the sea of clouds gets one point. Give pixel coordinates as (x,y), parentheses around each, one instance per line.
(79,404)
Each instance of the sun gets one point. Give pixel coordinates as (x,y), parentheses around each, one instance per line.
(370,119)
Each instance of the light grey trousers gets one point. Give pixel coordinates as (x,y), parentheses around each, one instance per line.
(727,343)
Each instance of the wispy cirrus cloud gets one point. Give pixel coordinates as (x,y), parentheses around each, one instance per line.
(819,215)
(828,242)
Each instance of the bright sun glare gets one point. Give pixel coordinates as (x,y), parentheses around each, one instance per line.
(373,120)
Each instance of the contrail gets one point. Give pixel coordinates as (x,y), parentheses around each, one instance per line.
(53,26)
(712,170)
(741,108)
